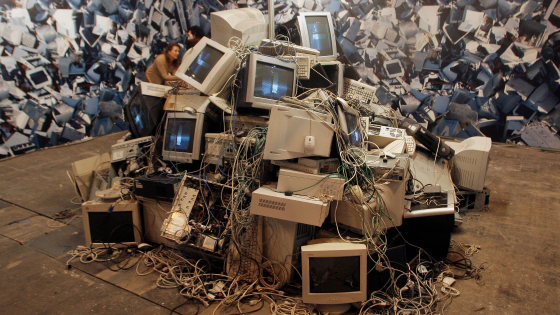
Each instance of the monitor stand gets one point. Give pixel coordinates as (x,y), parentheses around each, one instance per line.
(333,309)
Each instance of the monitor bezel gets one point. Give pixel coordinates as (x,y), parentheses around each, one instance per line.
(36,70)
(185,157)
(340,75)
(118,207)
(394,75)
(262,102)
(334,250)
(214,77)
(304,33)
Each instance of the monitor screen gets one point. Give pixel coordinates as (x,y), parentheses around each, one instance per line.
(393,68)
(272,81)
(111,227)
(89,36)
(334,274)
(39,77)
(353,129)
(319,34)
(179,135)
(139,118)
(203,63)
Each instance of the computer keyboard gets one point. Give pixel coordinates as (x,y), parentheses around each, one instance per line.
(410,144)
(303,67)
(360,91)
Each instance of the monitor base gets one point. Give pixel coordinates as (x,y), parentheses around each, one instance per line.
(333,309)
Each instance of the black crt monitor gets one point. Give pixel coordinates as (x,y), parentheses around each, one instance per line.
(183,136)
(317,32)
(327,75)
(144,111)
(267,79)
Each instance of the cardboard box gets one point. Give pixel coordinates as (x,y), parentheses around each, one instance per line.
(83,172)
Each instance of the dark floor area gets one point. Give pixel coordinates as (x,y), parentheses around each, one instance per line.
(518,237)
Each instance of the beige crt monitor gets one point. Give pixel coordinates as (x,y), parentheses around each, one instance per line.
(119,226)
(317,32)
(334,273)
(207,66)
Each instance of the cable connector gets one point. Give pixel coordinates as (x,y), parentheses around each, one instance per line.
(253,302)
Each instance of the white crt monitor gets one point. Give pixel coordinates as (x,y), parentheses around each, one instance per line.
(470,162)
(294,133)
(183,136)
(38,77)
(247,24)
(334,273)
(207,66)
(317,32)
(268,79)
(394,68)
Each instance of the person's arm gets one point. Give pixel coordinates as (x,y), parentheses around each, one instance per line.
(162,69)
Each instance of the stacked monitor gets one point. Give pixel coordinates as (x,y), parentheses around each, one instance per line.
(183,136)
(317,32)
(144,111)
(267,79)
(207,66)
(247,24)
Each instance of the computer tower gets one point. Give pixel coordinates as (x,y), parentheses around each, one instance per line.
(154,213)
(283,240)
(350,215)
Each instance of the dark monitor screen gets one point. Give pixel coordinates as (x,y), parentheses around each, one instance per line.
(111,227)
(89,36)
(39,77)
(393,68)
(319,34)
(272,81)
(334,274)
(139,118)
(203,63)
(352,123)
(179,134)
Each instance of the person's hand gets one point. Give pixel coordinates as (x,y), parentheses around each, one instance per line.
(184,84)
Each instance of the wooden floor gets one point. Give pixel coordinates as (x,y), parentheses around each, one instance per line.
(518,237)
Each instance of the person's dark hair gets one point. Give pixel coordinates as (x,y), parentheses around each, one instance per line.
(176,62)
(197,31)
